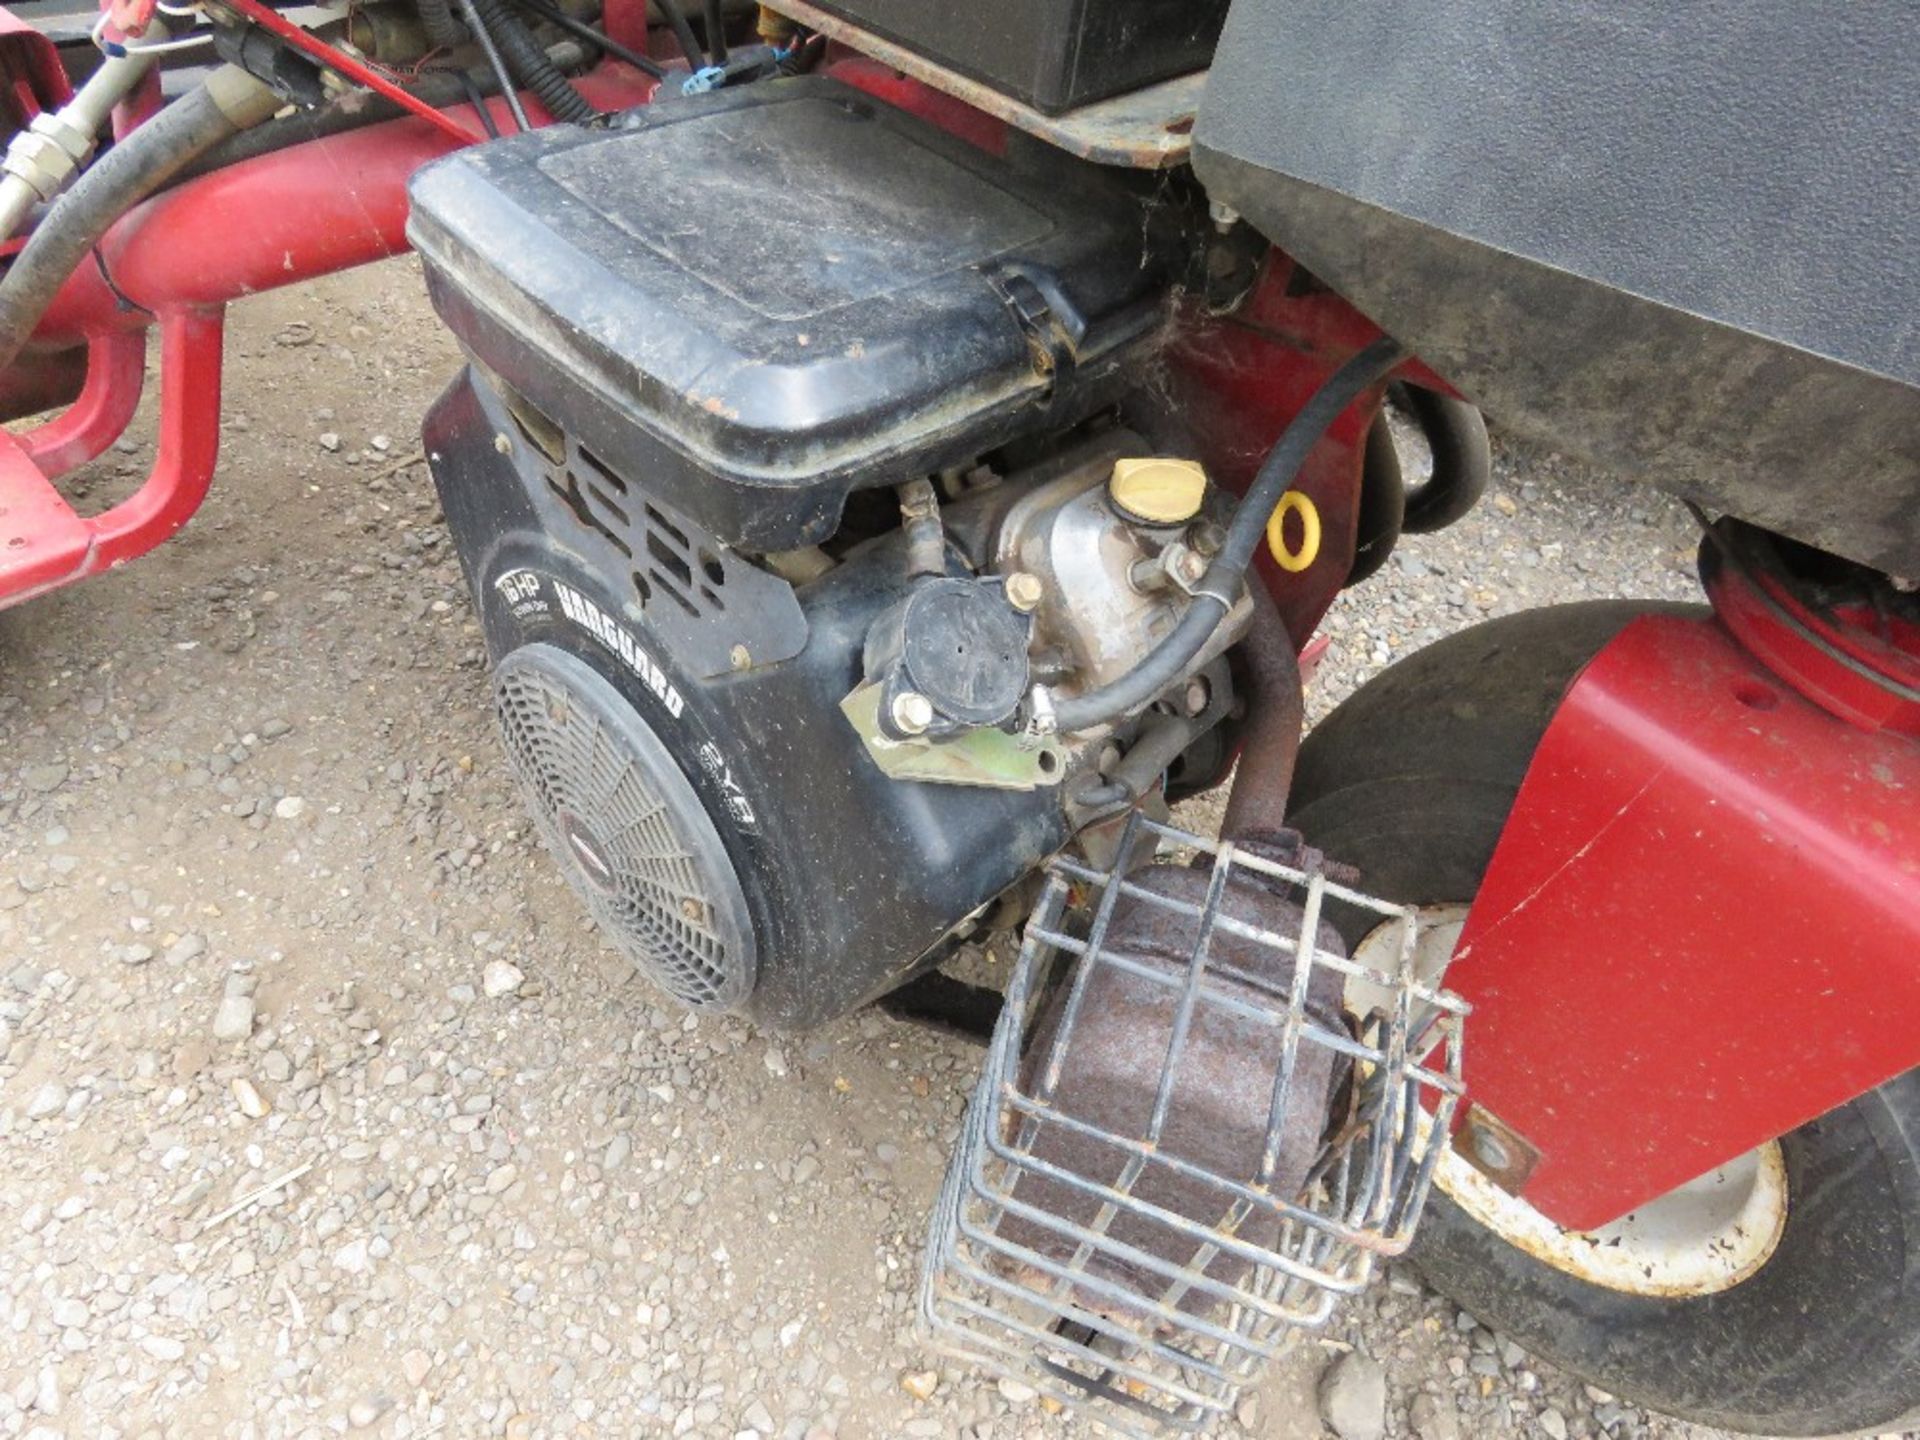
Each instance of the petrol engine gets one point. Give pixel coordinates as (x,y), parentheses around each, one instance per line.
(792,476)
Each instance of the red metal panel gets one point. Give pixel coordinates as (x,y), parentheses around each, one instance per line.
(32,78)
(1701,927)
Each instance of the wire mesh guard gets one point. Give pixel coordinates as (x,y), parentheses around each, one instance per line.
(1142,1266)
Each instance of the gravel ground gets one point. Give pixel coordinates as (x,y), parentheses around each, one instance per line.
(323,1109)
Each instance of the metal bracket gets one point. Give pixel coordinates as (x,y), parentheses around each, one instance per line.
(1496,1149)
(988,758)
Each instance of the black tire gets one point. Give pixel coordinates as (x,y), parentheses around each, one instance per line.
(1411,779)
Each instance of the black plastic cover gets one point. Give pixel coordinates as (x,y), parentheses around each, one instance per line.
(754,302)
(1679,238)
(1053,54)
(850,876)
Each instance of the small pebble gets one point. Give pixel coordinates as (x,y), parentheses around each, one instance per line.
(1353,1397)
(501,979)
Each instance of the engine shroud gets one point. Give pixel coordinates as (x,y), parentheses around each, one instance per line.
(757,301)
(693,337)
(845,877)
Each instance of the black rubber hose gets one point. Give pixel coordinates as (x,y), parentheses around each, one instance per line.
(682,32)
(716,34)
(228,102)
(1383,503)
(444,29)
(530,65)
(1462,459)
(1213,597)
(646,64)
(1160,744)
(498,64)
(438,88)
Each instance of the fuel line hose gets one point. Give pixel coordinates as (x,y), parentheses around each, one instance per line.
(1213,597)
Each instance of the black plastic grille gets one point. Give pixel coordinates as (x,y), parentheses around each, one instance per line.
(626,826)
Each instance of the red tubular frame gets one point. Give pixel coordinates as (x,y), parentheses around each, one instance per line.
(116,374)
(43,543)
(279,219)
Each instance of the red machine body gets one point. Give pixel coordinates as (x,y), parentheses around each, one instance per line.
(1702,926)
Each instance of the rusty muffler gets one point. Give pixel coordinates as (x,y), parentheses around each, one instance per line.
(1184,1147)
(1159,1057)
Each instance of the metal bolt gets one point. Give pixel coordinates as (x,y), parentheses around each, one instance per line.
(503,442)
(1207,537)
(912,712)
(1025,592)
(1199,693)
(1491,1149)
(1147,576)
(740,658)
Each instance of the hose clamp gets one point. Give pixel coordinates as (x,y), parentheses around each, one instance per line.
(1041,719)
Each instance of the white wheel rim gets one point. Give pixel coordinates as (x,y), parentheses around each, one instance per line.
(1702,1238)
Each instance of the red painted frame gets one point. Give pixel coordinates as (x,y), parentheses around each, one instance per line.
(31,77)
(276,220)
(1701,926)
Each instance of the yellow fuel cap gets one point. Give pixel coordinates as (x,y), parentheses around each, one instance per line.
(1157,490)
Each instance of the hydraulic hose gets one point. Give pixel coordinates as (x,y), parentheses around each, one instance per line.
(44,156)
(1213,597)
(1462,459)
(716,34)
(682,32)
(445,30)
(529,63)
(228,102)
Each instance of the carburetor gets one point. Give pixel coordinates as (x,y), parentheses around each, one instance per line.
(1059,579)
(1116,547)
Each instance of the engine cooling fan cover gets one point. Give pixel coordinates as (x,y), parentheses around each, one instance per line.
(627,828)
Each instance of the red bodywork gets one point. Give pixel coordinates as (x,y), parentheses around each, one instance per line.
(30,70)
(1700,928)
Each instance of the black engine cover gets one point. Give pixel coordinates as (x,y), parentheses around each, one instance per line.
(848,877)
(763,299)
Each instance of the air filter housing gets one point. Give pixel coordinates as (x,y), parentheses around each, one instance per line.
(760,300)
